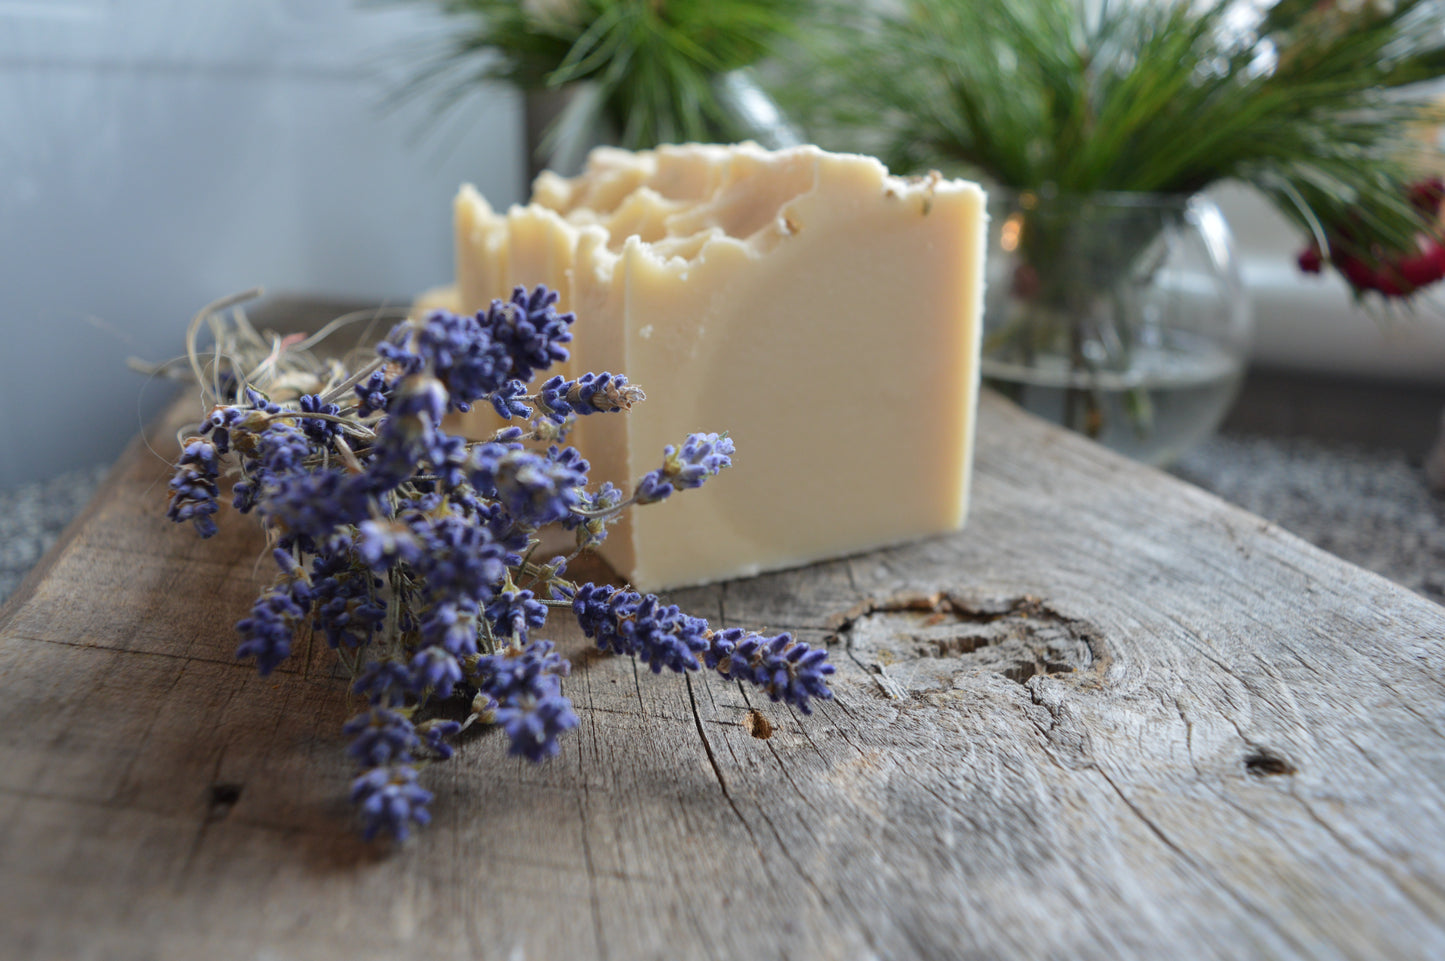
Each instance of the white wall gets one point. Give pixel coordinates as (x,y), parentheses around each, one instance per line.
(156,154)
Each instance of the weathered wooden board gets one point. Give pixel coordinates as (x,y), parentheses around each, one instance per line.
(1114,718)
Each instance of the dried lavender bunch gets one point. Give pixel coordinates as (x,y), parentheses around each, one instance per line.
(412,551)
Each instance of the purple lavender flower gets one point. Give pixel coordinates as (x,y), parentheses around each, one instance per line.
(513,612)
(588,394)
(529,704)
(459,559)
(260,402)
(193,489)
(309,506)
(244,495)
(402,349)
(553,570)
(379,737)
(447,457)
(624,622)
(787,670)
(348,611)
(459,351)
(507,400)
(287,562)
(281,449)
(433,668)
(427,503)
(604,497)
(569,458)
(277,451)
(451,626)
(420,396)
(592,516)
(219,423)
(433,735)
(266,633)
(533,726)
(505,530)
(384,543)
(318,429)
(517,670)
(383,683)
(390,800)
(508,435)
(222,420)
(217,426)
(535,489)
(447,526)
(392,459)
(373,394)
(701,456)
(412,443)
(529,329)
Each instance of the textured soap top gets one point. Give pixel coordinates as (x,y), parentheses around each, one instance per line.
(677,198)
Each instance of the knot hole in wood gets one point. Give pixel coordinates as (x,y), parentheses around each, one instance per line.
(221,797)
(917,643)
(1263,762)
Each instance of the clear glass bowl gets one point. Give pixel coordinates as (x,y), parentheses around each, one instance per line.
(1121,316)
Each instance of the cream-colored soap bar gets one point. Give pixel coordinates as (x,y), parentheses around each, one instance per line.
(822,312)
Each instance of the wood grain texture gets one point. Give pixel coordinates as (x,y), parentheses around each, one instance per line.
(1113,718)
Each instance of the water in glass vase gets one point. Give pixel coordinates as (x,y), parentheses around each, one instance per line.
(1173,395)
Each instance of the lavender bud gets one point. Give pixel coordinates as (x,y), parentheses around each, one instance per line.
(701,456)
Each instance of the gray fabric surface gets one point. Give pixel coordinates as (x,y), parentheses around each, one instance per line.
(1370,507)
(33,516)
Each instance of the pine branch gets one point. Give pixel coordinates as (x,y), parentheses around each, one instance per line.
(1160,97)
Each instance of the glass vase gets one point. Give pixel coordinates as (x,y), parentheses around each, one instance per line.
(1121,316)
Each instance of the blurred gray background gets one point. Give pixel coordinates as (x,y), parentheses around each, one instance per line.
(157,154)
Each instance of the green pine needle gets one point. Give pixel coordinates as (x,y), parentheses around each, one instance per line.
(1162,97)
(653,60)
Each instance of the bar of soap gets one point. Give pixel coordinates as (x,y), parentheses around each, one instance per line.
(823,313)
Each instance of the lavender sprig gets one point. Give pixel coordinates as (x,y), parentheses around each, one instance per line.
(193,489)
(525,697)
(380,736)
(266,634)
(588,394)
(390,801)
(700,457)
(530,330)
(625,622)
(410,549)
(786,669)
